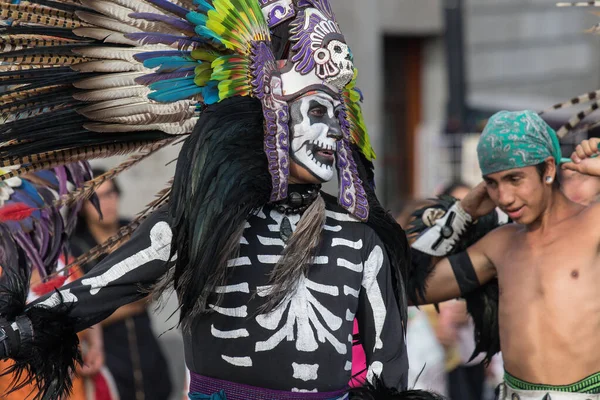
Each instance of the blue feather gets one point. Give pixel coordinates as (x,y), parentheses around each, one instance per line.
(141,57)
(170,7)
(203,5)
(210,92)
(172,83)
(172,95)
(48,176)
(206,33)
(164,38)
(32,193)
(152,78)
(170,64)
(197,18)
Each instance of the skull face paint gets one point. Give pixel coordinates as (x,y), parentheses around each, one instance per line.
(315,131)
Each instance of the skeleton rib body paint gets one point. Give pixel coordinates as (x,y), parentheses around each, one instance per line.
(315,131)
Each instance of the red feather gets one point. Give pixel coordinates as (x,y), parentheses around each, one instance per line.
(15,212)
(46,287)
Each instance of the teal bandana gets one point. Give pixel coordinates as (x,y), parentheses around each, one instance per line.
(516,140)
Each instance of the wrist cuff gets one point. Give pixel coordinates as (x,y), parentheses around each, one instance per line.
(440,239)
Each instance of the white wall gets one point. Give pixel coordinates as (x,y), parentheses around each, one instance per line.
(529,48)
(364,28)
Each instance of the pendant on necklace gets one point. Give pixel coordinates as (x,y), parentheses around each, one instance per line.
(285,230)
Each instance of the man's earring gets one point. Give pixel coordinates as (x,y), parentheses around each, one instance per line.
(549,179)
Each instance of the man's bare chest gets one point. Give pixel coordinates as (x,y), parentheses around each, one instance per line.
(550,279)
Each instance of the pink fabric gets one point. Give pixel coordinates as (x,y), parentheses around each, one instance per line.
(359,362)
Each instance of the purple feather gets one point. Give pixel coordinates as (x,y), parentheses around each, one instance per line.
(54,228)
(24,242)
(170,7)
(141,57)
(178,23)
(151,78)
(61,174)
(79,172)
(164,38)
(40,236)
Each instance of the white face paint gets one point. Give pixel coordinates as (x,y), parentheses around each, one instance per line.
(315,131)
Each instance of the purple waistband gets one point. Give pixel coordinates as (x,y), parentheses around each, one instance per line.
(237,391)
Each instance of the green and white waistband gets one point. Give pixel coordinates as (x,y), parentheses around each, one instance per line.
(591,385)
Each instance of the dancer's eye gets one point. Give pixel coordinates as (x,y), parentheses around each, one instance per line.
(317,111)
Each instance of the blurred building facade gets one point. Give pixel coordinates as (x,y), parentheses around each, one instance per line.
(399,51)
(432,71)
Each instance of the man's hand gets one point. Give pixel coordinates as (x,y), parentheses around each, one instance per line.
(585,158)
(93,357)
(478,203)
(446,330)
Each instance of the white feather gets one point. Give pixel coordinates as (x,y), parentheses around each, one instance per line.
(113,93)
(110,104)
(140,108)
(109,53)
(106,22)
(109,9)
(105,35)
(112,9)
(108,66)
(149,118)
(138,6)
(109,81)
(171,129)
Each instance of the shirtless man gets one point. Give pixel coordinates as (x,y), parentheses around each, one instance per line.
(547,263)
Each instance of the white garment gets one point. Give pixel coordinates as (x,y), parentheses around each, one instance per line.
(508,393)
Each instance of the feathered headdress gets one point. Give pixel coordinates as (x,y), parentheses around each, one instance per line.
(93,78)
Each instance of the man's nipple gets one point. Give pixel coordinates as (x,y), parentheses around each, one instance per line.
(574,274)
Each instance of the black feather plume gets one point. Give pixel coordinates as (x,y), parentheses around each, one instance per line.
(222,177)
(389,231)
(378,391)
(47,360)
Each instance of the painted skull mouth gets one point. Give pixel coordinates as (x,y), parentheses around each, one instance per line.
(321,153)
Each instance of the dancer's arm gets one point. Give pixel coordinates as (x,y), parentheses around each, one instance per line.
(121,278)
(42,337)
(379,319)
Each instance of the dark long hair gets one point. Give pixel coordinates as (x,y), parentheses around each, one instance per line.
(221,178)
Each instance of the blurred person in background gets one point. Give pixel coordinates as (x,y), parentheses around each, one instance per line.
(132,352)
(430,340)
(466,381)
